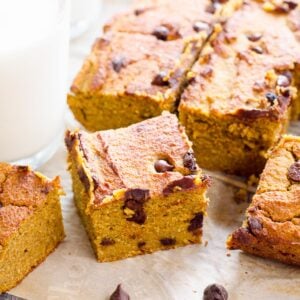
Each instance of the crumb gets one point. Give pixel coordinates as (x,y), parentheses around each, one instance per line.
(228,254)
(195,292)
(205,243)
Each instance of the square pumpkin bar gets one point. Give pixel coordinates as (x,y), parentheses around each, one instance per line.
(243,89)
(137,189)
(128,78)
(30,221)
(272,225)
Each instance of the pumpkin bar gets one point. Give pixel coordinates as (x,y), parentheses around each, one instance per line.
(128,78)
(243,89)
(272,225)
(30,221)
(137,189)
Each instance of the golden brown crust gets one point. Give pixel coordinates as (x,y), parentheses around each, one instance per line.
(21,192)
(119,159)
(272,227)
(246,70)
(130,64)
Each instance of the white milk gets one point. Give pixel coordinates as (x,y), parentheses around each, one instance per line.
(33,71)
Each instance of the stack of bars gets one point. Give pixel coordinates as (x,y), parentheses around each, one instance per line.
(230,70)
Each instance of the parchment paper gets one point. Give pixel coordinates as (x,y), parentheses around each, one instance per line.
(72,271)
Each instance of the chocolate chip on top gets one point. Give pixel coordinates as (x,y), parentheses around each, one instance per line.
(189,161)
(215,292)
(161,32)
(119,294)
(271,97)
(257,49)
(162,166)
(160,80)
(118,63)
(201,26)
(134,201)
(254,37)
(283,80)
(294,172)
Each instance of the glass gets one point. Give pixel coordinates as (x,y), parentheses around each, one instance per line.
(33,73)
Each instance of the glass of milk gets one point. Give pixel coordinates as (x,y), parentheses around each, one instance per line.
(33,73)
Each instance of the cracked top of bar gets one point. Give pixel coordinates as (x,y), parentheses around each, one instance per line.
(247,68)
(135,158)
(122,64)
(21,192)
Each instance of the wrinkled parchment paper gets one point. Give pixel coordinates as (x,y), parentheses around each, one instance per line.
(72,272)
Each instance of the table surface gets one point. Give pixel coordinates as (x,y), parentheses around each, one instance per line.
(72,272)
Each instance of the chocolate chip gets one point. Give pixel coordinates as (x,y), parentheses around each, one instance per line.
(119,294)
(69,140)
(291,4)
(141,244)
(271,97)
(162,165)
(254,225)
(196,222)
(168,241)
(189,161)
(139,195)
(139,11)
(118,63)
(107,242)
(283,80)
(201,26)
(254,37)
(294,172)
(212,8)
(161,32)
(134,200)
(1,205)
(185,183)
(45,190)
(215,292)
(159,79)
(84,179)
(257,49)
(24,169)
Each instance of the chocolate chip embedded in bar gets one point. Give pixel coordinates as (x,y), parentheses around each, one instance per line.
(7,296)
(294,172)
(134,201)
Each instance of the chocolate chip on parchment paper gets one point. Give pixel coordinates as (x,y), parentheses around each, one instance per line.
(119,294)
(215,292)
